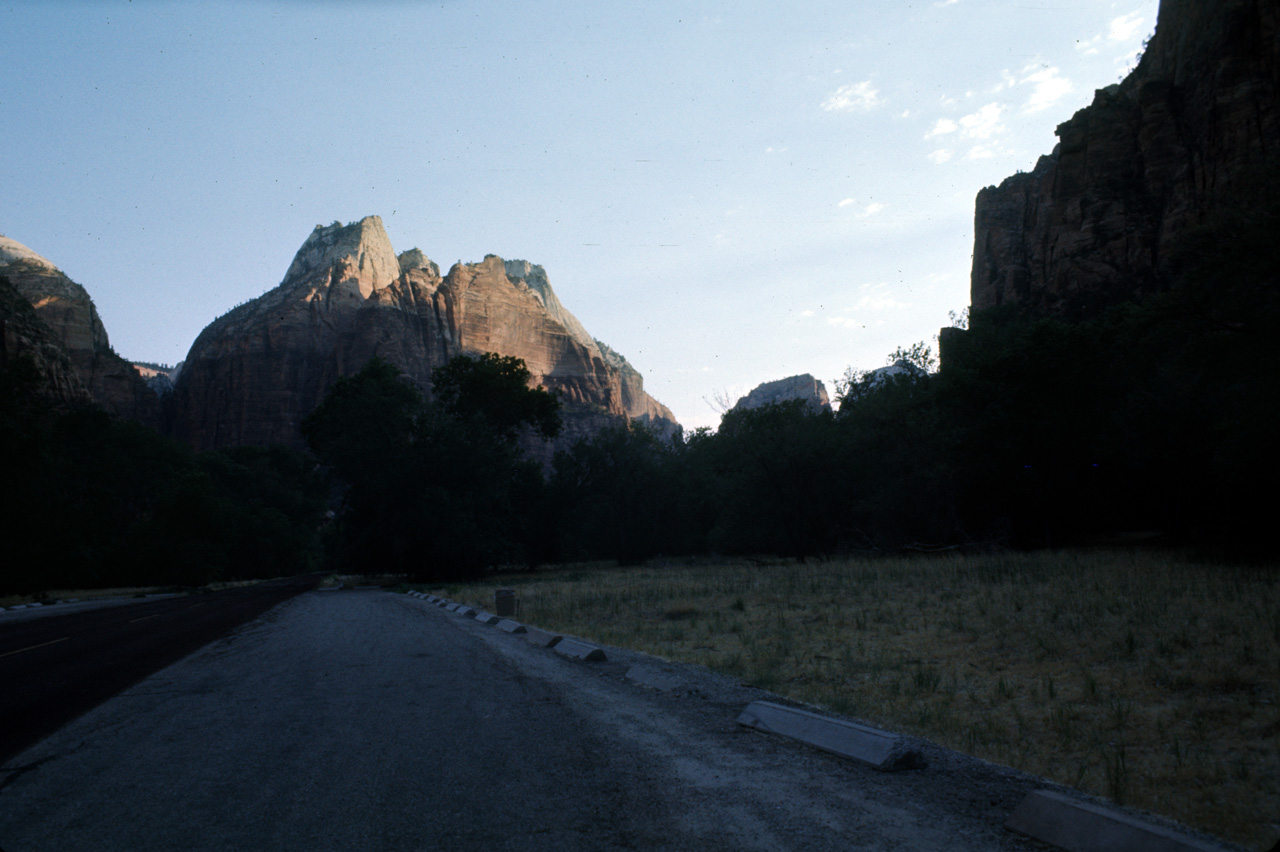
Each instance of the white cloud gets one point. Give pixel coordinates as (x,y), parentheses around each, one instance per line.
(940,156)
(980,152)
(847,202)
(806,313)
(1048,87)
(855,96)
(984,123)
(1125,27)
(942,3)
(872,209)
(1090,47)
(879,303)
(942,127)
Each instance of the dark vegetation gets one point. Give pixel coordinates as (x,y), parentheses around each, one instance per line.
(90,501)
(1157,415)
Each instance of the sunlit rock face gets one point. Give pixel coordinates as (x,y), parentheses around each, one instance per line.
(1148,160)
(254,373)
(65,309)
(804,387)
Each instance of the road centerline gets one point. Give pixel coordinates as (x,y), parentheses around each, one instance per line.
(33,647)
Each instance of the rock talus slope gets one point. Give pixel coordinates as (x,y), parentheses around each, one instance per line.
(254,373)
(66,311)
(1150,158)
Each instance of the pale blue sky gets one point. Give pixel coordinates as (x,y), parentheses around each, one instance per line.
(725,192)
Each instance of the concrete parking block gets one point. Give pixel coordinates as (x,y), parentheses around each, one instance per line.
(452,607)
(512,626)
(487,617)
(880,749)
(1076,826)
(465,610)
(579,650)
(542,638)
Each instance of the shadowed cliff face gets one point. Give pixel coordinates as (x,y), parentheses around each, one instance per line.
(64,308)
(1150,158)
(254,373)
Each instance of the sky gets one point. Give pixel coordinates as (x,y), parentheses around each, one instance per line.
(727,193)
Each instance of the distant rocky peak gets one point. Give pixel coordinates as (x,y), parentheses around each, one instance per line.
(12,251)
(804,387)
(415,259)
(361,249)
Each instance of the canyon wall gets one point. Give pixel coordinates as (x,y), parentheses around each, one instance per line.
(65,310)
(1149,159)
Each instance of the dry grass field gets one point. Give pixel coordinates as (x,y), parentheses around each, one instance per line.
(1148,678)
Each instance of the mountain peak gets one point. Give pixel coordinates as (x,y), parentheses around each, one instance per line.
(12,251)
(362,247)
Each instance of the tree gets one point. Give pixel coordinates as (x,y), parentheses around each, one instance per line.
(618,495)
(439,490)
(496,388)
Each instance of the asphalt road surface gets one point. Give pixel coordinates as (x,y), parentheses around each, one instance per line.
(364,720)
(54,666)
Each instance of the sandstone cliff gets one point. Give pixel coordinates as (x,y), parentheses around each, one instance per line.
(804,387)
(1150,158)
(254,373)
(24,336)
(65,309)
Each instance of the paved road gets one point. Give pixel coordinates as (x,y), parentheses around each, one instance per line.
(58,665)
(370,721)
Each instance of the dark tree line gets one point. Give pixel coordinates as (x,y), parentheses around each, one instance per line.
(91,501)
(1153,415)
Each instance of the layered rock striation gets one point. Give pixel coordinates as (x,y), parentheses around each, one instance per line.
(64,308)
(804,387)
(254,373)
(1149,159)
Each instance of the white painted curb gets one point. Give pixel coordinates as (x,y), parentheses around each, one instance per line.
(878,749)
(1061,821)
(579,650)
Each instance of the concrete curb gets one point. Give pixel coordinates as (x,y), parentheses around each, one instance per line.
(579,650)
(878,749)
(452,607)
(510,626)
(465,610)
(1061,821)
(487,617)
